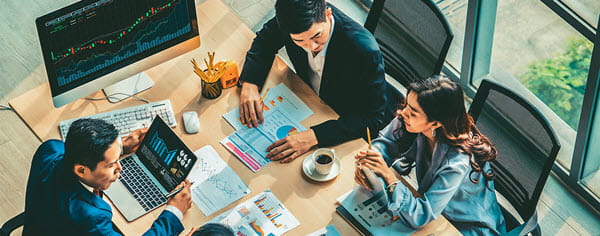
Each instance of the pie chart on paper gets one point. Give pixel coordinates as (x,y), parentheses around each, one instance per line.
(285,131)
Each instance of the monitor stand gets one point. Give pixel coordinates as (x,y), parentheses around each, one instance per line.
(130,86)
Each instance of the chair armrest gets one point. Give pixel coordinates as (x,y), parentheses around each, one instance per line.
(12,224)
(528,226)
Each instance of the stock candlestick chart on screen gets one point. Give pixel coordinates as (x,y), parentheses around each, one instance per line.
(106,33)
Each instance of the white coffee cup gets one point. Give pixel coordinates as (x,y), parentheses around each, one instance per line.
(323,159)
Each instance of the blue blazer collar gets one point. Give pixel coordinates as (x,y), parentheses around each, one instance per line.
(86,196)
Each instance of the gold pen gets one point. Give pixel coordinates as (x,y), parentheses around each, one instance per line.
(262,98)
(369,138)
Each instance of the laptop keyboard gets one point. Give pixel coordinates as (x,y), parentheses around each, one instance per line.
(139,184)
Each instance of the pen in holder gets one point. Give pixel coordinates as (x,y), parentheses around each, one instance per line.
(210,77)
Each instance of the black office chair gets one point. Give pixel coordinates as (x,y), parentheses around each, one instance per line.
(38,162)
(12,224)
(413,35)
(527,148)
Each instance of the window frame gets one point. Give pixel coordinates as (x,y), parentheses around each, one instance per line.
(476,61)
(477,49)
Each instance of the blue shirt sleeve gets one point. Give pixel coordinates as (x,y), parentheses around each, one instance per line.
(166,224)
(417,212)
(386,142)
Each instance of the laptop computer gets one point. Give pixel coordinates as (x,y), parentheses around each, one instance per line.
(160,163)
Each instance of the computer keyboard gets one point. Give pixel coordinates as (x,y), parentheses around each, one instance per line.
(140,185)
(128,119)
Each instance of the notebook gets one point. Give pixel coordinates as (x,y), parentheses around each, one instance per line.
(160,163)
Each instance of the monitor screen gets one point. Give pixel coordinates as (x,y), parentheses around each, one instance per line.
(165,155)
(92,38)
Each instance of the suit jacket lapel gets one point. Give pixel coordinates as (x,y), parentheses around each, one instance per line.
(330,59)
(91,198)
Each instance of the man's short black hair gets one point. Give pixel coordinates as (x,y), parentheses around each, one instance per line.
(212,229)
(297,16)
(87,140)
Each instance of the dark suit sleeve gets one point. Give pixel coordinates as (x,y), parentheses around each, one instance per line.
(259,58)
(166,224)
(102,225)
(369,111)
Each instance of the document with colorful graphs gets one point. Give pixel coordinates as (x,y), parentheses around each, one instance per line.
(282,111)
(279,98)
(250,145)
(264,214)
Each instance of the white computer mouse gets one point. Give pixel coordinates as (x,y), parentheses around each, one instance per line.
(191,122)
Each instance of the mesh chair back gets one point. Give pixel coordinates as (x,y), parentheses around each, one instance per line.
(526,144)
(413,35)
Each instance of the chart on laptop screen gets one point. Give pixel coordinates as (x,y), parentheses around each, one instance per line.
(106,32)
(166,155)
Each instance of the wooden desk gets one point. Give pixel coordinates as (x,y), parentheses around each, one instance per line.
(313,204)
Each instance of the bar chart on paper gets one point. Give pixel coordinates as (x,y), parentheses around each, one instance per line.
(262,215)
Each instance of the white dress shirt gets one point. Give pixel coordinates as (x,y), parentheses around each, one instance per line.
(317,62)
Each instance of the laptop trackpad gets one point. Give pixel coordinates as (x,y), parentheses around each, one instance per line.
(125,203)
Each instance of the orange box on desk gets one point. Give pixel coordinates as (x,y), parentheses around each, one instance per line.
(231,75)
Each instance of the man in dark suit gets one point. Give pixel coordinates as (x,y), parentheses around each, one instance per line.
(66,180)
(333,54)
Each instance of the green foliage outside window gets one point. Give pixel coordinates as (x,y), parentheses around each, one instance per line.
(560,81)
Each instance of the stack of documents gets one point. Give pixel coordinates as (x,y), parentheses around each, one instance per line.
(368,213)
(283,112)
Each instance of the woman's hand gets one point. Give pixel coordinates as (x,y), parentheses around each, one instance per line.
(373,160)
(361,179)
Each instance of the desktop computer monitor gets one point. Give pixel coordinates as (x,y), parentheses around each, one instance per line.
(92,44)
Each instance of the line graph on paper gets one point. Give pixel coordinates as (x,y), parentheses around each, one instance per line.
(216,185)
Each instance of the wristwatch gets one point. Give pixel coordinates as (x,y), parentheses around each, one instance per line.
(390,188)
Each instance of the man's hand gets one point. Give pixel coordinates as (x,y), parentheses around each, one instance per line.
(182,200)
(291,147)
(251,107)
(132,141)
(374,161)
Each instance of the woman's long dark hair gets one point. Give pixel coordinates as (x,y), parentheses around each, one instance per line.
(442,100)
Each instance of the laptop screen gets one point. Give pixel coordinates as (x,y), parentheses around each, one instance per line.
(165,155)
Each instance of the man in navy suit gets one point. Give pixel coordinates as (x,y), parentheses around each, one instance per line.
(334,55)
(66,180)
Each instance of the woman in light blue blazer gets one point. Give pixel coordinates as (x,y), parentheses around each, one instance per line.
(451,158)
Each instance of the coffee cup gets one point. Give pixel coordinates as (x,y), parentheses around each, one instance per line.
(323,159)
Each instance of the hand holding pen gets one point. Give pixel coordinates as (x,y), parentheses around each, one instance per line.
(181,197)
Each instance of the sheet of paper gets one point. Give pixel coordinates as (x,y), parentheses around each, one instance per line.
(280,98)
(250,145)
(215,184)
(330,230)
(263,214)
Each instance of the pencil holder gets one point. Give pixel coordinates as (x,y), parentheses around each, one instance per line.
(210,77)
(211,90)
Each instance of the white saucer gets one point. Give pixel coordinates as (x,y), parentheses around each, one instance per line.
(308,167)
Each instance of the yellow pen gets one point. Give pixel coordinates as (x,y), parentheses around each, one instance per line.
(369,138)
(262,98)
